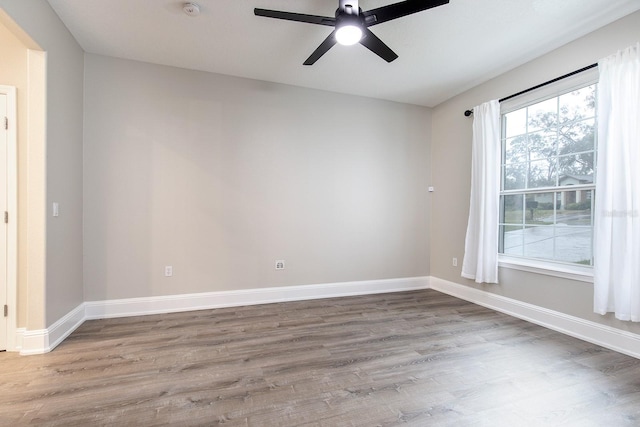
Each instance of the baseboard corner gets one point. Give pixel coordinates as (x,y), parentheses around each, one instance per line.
(44,340)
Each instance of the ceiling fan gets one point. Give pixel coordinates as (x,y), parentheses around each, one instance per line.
(351,24)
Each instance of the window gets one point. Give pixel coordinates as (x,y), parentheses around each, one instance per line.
(548,176)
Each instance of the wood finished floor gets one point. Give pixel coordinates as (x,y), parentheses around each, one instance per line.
(413,358)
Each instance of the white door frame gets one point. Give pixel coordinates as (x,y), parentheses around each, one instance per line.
(12,209)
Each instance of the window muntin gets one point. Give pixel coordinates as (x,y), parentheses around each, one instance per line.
(548,178)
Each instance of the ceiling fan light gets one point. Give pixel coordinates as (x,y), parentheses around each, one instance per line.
(348,35)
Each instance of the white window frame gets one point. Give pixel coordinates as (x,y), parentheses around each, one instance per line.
(577,272)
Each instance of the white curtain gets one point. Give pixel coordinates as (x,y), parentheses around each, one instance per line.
(617,203)
(481,244)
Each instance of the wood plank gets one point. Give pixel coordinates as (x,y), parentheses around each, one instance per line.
(411,358)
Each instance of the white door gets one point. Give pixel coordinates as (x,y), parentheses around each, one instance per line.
(4,141)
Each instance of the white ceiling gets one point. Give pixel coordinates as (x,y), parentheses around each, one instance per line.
(442,52)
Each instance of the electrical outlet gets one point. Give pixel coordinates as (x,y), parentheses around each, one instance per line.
(280,264)
(168,271)
(454,262)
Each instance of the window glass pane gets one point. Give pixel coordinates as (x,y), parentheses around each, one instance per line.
(515,176)
(513,243)
(512,209)
(543,115)
(516,149)
(575,208)
(539,242)
(576,169)
(541,145)
(578,104)
(542,173)
(573,244)
(540,209)
(515,123)
(577,137)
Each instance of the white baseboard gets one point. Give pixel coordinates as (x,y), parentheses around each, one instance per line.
(65,326)
(44,340)
(19,338)
(615,339)
(209,300)
(33,341)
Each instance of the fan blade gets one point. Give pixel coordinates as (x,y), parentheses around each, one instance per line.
(377,46)
(299,17)
(398,10)
(322,49)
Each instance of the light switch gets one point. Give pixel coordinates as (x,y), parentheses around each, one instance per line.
(56,209)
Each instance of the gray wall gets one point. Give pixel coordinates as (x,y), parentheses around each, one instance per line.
(55,283)
(221,176)
(451,158)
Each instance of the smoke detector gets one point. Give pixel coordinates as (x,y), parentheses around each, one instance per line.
(191,9)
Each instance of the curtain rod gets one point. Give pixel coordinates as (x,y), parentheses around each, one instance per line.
(467,113)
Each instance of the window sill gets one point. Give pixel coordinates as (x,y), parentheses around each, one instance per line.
(565,271)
